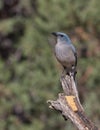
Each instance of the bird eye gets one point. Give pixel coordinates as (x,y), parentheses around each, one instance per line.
(61,35)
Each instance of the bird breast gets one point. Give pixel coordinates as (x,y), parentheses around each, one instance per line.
(64,54)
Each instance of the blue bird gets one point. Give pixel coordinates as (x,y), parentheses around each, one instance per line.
(65,53)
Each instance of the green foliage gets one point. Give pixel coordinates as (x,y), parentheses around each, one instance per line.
(29,73)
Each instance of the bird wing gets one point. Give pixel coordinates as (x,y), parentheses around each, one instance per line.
(75,53)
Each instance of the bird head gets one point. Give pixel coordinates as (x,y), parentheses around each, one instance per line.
(61,37)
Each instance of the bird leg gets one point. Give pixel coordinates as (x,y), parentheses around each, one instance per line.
(68,72)
(73,72)
(65,72)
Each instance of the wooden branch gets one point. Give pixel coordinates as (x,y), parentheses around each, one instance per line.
(69,105)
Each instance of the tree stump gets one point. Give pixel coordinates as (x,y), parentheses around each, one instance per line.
(69,105)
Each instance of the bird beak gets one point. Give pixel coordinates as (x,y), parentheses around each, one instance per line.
(54,33)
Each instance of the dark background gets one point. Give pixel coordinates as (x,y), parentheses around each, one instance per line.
(29,72)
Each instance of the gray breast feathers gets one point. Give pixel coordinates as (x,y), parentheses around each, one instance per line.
(65,53)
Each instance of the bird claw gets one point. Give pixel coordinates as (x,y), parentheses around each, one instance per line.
(71,74)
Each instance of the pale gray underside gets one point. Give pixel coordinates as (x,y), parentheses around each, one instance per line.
(65,54)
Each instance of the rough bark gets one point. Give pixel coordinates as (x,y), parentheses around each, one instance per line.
(74,111)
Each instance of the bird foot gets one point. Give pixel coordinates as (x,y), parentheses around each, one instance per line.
(72,74)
